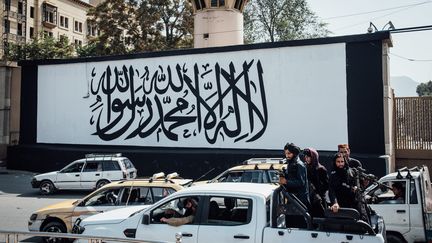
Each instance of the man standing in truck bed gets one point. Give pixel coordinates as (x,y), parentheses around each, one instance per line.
(345,150)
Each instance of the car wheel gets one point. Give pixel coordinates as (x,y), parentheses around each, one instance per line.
(392,238)
(54,227)
(46,188)
(101,183)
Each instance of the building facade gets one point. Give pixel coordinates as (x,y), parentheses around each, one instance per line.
(25,19)
(21,21)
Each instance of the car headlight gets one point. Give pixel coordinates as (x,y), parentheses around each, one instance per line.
(33,217)
(381,225)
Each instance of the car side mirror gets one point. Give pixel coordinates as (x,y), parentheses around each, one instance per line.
(146,219)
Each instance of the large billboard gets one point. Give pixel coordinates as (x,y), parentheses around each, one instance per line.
(249,99)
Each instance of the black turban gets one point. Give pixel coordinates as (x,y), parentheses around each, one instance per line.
(292,148)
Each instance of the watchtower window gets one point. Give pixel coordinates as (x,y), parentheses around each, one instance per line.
(200,4)
(217,3)
(238,4)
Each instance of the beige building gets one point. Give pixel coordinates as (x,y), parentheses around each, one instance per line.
(24,19)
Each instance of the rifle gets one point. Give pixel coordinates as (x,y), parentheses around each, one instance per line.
(363,176)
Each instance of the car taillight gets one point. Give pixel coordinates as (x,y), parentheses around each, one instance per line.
(124,175)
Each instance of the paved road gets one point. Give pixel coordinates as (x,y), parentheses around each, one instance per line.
(18,199)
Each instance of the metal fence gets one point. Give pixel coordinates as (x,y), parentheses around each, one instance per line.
(23,236)
(413,123)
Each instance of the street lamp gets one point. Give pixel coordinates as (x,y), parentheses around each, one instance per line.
(372,28)
(390,26)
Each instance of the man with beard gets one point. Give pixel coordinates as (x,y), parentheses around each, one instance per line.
(296,175)
(343,188)
(344,149)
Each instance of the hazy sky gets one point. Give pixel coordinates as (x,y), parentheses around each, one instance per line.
(402,13)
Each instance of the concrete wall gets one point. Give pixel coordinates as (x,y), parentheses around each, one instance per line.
(364,99)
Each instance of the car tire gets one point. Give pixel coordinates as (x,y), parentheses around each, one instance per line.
(101,183)
(46,188)
(54,227)
(393,238)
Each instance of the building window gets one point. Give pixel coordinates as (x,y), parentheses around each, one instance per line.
(239,5)
(64,38)
(7,5)
(47,33)
(78,43)
(19,29)
(6,26)
(20,7)
(217,3)
(64,22)
(31,32)
(200,4)
(32,12)
(78,26)
(49,14)
(91,30)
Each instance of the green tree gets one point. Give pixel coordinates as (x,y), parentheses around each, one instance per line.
(42,47)
(136,26)
(278,20)
(424,89)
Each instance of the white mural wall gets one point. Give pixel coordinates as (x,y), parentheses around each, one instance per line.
(254,99)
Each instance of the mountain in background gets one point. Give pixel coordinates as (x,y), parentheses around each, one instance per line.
(404,86)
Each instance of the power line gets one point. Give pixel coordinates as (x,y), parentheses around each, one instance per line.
(376,11)
(400,10)
(412,29)
(411,59)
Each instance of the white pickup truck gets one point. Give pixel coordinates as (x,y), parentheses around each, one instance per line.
(233,212)
(408,218)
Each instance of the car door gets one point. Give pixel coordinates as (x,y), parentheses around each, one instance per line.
(98,202)
(162,232)
(69,177)
(396,213)
(227,219)
(91,174)
(417,224)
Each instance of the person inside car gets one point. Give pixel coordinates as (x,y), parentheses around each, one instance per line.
(398,190)
(229,206)
(190,204)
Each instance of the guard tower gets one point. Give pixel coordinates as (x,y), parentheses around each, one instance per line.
(218,22)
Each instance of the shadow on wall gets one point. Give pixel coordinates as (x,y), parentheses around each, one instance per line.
(189,163)
(3,151)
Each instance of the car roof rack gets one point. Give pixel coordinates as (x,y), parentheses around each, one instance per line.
(100,155)
(255,161)
(405,169)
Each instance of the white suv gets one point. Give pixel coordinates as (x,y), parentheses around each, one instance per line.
(90,173)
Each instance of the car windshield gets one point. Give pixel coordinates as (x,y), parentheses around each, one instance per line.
(128,164)
(254,176)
